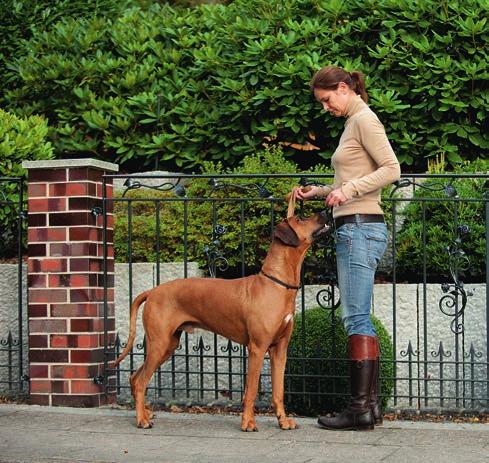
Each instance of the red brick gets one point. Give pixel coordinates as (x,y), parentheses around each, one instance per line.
(74,340)
(47,326)
(70,218)
(84,203)
(85,173)
(38,310)
(36,190)
(47,205)
(85,234)
(36,250)
(110,339)
(48,295)
(87,340)
(46,234)
(37,220)
(73,189)
(48,356)
(86,264)
(39,386)
(81,189)
(47,175)
(59,340)
(85,387)
(110,309)
(86,295)
(59,280)
(54,265)
(74,310)
(38,371)
(110,221)
(36,281)
(73,249)
(108,190)
(110,251)
(100,280)
(74,371)
(47,265)
(96,265)
(86,355)
(64,400)
(67,280)
(38,341)
(91,325)
(39,399)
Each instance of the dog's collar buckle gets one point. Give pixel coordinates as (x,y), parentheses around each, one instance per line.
(280,282)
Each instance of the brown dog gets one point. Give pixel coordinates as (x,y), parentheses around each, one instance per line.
(257,311)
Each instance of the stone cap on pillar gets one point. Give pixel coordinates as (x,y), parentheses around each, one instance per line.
(71,164)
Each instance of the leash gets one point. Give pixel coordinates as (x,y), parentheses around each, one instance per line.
(280,282)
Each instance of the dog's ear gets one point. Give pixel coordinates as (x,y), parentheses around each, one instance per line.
(291,202)
(285,233)
(290,198)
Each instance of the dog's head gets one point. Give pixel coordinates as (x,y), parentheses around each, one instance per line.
(297,230)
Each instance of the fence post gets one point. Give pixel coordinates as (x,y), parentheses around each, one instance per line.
(65,281)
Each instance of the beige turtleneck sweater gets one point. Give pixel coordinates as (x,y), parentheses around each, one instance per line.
(363,162)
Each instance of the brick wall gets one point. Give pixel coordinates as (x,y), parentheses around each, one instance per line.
(65,281)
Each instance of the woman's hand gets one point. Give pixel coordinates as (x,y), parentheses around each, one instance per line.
(335,198)
(307,192)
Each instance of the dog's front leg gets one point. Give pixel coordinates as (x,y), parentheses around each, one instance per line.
(278,359)
(255,362)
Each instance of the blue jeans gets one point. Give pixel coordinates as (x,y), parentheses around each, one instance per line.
(359,248)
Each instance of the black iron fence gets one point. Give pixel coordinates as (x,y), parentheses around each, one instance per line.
(13,379)
(430,298)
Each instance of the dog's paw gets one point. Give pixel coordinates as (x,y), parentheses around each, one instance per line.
(145,424)
(248,425)
(287,423)
(148,413)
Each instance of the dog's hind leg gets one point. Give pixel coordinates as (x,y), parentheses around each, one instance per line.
(157,352)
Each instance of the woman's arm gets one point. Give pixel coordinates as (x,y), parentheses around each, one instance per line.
(372,136)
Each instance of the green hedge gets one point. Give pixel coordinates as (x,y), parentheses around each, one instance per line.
(20,139)
(21,20)
(210,83)
(440,227)
(257,226)
(324,341)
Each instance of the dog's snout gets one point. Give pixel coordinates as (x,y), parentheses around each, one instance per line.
(323,216)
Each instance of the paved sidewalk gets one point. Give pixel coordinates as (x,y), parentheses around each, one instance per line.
(55,435)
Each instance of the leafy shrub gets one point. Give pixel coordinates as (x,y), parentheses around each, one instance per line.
(21,20)
(21,139)
(211,83)
(252,242)
(441,219)
(317,367)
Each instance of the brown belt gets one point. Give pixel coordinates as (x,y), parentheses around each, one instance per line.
(359,218)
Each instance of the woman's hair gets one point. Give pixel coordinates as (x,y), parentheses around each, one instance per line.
(329,77)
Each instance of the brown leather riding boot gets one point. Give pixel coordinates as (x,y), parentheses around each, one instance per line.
(358,415)
(375,391)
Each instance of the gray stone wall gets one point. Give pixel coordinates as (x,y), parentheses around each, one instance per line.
(9,322)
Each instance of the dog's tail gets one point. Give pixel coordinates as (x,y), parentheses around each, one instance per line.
(132,325)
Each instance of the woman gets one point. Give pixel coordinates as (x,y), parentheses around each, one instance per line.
(363,162)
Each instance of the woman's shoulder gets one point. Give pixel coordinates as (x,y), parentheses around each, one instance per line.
(365,117)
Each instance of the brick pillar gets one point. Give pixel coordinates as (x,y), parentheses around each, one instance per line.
(65,280)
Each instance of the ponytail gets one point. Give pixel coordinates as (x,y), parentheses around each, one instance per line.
(330,76)
(358,84)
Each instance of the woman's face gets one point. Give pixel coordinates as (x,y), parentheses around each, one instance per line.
(334,101)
